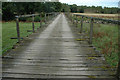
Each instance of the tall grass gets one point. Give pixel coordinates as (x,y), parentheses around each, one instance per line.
(105,39)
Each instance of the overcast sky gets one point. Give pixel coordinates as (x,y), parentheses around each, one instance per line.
(107,3)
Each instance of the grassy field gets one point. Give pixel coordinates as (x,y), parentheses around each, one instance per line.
(9,30)
(105,16)
(105,39)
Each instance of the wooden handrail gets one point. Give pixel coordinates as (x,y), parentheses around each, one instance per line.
(33,26)
(101,19)
(91,33)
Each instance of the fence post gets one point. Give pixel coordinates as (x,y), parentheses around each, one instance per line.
(54,14)
(76,21)
(40,20)
(48,16)
(73,18)
(118,69)
(91,31)
(45,17)
(81,25)
(33,23)
(18,30)
(70,17)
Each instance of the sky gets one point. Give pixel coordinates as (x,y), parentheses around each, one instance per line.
(103,3)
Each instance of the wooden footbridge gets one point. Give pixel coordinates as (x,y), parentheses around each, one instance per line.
(53,53)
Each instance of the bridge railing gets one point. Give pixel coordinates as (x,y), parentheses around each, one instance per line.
(80,20)
(47,17)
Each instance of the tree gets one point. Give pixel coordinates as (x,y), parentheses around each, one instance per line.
(8,10)
(73,8)
(65,8)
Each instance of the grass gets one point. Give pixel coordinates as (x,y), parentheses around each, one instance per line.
(105,39)
(9,30)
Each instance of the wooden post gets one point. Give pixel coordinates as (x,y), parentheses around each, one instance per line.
(81,25)
(17,28)
(76,21)
(69,14)
(48,16)
(54,14)
(40,20)
(73,18)
(45,17)
(33,26)
(91,31)
(118,69)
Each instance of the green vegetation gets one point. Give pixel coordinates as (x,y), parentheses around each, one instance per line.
(93,9)
(9,30)
(10,9)
(105,39)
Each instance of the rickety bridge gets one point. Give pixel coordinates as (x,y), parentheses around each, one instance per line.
(54,53)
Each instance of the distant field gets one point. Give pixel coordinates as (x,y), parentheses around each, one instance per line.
(106,16)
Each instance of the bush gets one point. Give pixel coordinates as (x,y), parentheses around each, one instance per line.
(29,19)
(22,19)
(37,18)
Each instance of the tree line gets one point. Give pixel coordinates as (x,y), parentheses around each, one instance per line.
(93,9)
(10,9)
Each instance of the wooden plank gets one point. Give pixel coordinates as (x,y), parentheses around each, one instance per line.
(62,73)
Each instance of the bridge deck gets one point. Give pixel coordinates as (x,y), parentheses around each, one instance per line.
(55,53)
